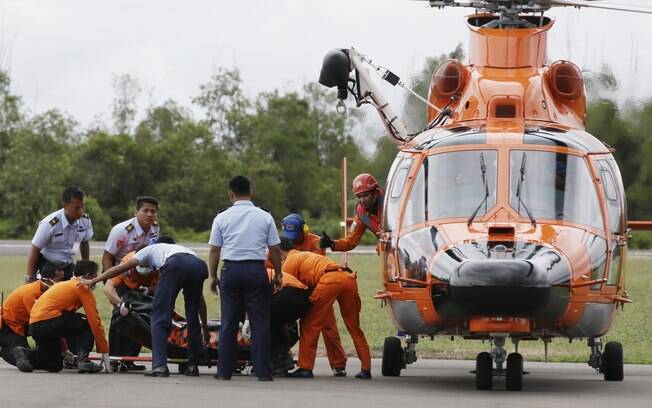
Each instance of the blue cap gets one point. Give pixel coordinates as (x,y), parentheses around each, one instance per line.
(292,226)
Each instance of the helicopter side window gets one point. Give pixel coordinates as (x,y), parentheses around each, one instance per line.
(458,183)
(614,208)
(415,209)
(614,269)
(554,186)
(395,190)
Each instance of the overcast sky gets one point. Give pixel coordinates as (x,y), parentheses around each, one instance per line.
(63,53)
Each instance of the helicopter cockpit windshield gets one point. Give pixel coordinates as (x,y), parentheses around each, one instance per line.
(462,183)
(553,186)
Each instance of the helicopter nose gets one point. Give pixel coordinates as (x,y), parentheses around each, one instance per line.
(533,286)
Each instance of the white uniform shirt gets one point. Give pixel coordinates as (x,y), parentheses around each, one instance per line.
(156,255)
(129,236)
(56,237)
(244,232)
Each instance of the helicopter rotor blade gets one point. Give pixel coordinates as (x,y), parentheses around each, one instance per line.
(535,5)
(596,4)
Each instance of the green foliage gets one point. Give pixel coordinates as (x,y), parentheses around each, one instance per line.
(31,180)
(102,223)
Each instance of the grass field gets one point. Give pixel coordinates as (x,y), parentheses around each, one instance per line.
(631,328)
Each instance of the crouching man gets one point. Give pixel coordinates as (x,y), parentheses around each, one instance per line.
(54,317)
(17,307)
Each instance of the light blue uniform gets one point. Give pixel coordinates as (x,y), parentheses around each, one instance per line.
(244,232)
(56,237)
(157,254)
(129,236)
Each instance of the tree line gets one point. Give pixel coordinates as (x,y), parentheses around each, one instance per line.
(289,143)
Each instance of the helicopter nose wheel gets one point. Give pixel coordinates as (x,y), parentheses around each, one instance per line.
(514,373)
(484,371)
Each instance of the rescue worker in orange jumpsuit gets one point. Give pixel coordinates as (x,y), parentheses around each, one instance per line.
(368,214)
(54,317)
(114,289)
(17,307)
(296,230)
(329,282)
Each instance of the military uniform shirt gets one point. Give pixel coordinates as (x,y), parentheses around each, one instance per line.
(129,236)
(155,255)
(244,232)
(56,237)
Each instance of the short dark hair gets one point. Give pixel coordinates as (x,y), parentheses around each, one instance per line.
(140,201)
(286,244)
(49,269)
(240,186)
(83,268)
(166,239)
(72,192)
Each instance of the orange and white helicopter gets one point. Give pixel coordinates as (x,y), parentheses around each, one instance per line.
(504,218)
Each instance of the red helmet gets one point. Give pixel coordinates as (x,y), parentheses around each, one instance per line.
(364,182)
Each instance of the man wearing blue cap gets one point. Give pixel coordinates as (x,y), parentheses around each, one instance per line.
(295,229)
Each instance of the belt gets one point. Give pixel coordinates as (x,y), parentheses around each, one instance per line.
(339,269)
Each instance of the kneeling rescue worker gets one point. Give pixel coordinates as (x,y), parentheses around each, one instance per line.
(53,317)
(368,214)
(17,307)
(329,282)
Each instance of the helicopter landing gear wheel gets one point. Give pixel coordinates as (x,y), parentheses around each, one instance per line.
(514,372)
(484,371)
(612,361)
(392,357)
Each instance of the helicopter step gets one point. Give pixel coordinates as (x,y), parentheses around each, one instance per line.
(396,357)
(485,371)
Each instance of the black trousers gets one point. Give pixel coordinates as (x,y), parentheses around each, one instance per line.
(120,345)
(288,305)
(67,270)
(244,285)
(9,340)
(180,271)
(48,334)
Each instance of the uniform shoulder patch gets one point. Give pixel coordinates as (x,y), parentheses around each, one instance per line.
(223,209)
(54,221)
(130,227)
(265,209)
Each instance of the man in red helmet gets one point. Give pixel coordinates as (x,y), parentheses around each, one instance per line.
(368,214)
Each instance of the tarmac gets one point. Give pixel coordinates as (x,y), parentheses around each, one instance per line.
(433,383)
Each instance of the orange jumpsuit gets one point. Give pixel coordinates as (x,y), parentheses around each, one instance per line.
(18,305)
(66,296)
(134,280)
(330,283)
(353,239)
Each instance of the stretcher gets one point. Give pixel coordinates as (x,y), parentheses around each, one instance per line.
(136,326)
